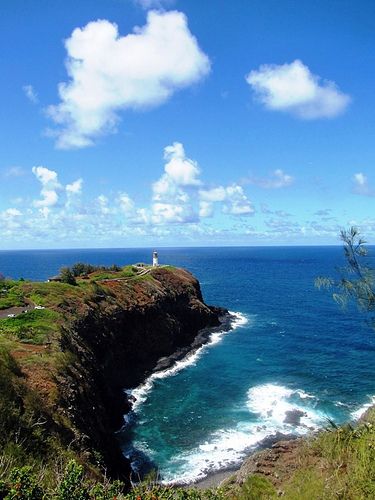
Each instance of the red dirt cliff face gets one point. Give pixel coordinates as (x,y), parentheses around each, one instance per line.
(116,339)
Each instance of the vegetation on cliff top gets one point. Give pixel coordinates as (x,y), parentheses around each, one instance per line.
(41,376)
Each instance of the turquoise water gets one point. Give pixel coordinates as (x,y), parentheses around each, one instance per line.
(293,348)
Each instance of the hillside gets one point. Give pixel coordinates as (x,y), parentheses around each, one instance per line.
(66,360)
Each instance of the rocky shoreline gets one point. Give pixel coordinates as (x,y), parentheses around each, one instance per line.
(226,320)
(277,458)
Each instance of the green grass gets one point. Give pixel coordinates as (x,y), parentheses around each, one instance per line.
(126,272)
(343,465)
(11,294)
(35,326)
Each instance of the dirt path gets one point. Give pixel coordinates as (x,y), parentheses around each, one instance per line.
(4,313)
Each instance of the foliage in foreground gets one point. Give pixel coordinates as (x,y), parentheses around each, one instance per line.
(343,465)
(22,484)
(338,463)
(357,279)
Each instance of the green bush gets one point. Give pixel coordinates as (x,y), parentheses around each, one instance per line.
(108,491)
(72,486)
(23,485)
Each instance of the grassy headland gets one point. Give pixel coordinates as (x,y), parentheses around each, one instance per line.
(55,362)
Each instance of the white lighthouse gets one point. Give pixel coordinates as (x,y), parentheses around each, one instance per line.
(155,260)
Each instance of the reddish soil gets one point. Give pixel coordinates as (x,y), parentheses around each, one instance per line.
(39,376)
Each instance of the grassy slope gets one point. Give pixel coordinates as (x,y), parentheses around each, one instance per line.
(32,429)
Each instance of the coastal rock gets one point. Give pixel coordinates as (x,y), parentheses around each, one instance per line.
(118,340)
(293,417)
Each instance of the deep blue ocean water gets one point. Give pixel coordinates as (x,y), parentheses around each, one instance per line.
(293,348)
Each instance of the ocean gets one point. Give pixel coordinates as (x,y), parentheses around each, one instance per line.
(292,348)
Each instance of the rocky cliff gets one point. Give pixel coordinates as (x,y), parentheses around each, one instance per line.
(115,337)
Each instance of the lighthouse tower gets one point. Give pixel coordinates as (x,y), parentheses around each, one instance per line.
(155,260)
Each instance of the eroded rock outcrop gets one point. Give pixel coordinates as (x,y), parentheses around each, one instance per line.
(116,338)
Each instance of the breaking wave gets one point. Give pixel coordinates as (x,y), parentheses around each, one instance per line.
(273,410)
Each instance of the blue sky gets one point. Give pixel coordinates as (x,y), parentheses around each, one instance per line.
(161,122)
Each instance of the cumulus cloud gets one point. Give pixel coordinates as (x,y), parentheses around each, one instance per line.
(50,185)
(126,203)
(177,192)
(103,204)
(361,185)
(133,214)
(164,213)
(293,88)
(30,93)
(235,201)
(9,213)
(109,73)
(75,187)
(179,204)
(278,179)
(170,193)
(182,170)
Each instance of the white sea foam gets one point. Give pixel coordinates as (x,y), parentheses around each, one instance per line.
(140,393)
(362,410)
(272,402)
(224,449)
(227,447)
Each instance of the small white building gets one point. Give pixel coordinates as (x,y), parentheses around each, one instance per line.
(155,259)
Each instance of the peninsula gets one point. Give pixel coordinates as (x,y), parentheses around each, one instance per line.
(69,350)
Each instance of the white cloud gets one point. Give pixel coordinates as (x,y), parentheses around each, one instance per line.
(237,201)
(45,212)
(206,209)
(30,93)
(9,213)
(172,192)
(164,213)
(126,203)
(234,199)
(75,187)
(293,88)
(133,214)
(103,204)
(50,198)
(360,179)
(109,73)
(154,4)
(214,194)
(278,179)
(178,206)
(361,185)
(50,184)
(46,176)
(182,170)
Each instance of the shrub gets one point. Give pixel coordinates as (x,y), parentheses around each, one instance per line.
(72,486)
(23,485)
(67,276)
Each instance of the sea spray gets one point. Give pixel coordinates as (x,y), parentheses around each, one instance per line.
(357,414)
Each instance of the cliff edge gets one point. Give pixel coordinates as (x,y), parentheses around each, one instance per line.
(73,352)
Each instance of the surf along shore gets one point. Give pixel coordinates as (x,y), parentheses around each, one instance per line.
(277,457)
